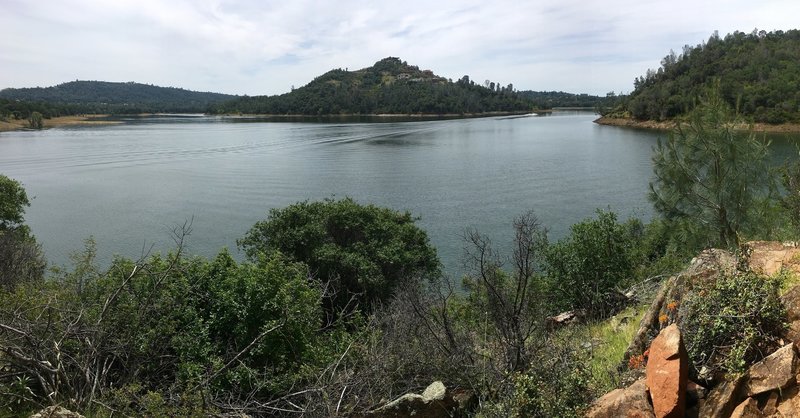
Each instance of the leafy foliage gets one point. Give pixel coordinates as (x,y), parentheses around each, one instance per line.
(389,86)
(759,75)
(733,321)
(709,175)
(363,251)
(596,259)
(21,258)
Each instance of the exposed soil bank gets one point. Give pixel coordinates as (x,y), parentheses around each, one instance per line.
(667,125)
(18,124)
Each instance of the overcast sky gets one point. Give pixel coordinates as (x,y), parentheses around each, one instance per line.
(264,47)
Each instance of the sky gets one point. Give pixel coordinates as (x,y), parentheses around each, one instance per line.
(258,47)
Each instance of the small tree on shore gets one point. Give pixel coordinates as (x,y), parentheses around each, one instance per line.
(709,174)
(36,120)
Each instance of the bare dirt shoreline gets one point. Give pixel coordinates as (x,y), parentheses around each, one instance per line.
(20,124)
(668,125)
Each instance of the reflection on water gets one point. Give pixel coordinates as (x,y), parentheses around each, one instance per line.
(128,184)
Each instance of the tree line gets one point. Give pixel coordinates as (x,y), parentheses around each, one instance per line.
(99,97)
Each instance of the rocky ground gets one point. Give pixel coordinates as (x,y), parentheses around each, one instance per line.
(769,388)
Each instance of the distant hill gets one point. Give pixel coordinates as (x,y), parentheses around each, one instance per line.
(389,86)
(758,74)
(551,99)
(110,97)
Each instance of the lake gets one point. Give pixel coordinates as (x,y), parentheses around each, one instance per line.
(129,185)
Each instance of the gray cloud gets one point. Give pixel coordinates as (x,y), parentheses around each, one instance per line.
(264,47)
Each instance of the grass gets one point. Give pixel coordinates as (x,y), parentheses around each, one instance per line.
(609,339)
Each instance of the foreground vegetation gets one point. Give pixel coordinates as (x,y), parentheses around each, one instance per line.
(341,306)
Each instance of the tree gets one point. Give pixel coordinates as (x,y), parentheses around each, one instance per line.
(362,251)
(36,120)
(13,201)
(509,299)
(21,258)
(709,175)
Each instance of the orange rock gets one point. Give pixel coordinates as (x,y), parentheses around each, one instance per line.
(631,402)
(667,373)
(747,409)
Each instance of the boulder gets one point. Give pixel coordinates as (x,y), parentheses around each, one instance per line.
(721,400)
(791,299)
(776,371)
(667,373)
(56,412)
(747,409)
(434,402)
(769,257)
(771,405)
(789,405)
(694,393)
(631,402)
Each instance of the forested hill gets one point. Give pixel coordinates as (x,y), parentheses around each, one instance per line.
(758,74)
(389,86)
(110,97)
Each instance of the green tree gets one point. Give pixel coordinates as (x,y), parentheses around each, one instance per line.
(587,267)
(363,251)
(21,258)
(709,175)
(36,120)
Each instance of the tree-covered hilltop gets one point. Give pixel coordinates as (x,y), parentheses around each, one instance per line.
(389,86)
(758,74)
(107,97)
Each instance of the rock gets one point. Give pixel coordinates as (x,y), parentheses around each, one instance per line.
(771,406)
(434,392)
(694,393)
(791,299)
(433,403)
(789,405)
(667,373)
(747,409)
(56,412)
(631,402)
(721,400)
(771,257)
(563,319)
(776,371)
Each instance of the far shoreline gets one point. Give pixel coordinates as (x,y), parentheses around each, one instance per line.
(76,120)
(669,125)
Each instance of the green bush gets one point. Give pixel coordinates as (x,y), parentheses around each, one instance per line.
(364,251)
(597,257)
(732,322)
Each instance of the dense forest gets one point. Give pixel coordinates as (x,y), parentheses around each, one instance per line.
(758,75)
(389,86)
(96,97)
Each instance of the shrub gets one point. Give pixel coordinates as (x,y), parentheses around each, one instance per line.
(732,322)
(362,250)
(595,259)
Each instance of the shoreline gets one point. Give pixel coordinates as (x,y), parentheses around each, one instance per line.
(377,115)
(669,125)
(78,120)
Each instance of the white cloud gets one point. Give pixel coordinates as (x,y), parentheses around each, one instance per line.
(257,47)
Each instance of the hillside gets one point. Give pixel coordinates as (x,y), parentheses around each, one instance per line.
(389,86)
(110,97)
(758,74)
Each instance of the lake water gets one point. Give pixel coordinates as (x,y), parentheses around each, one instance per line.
(128,185)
